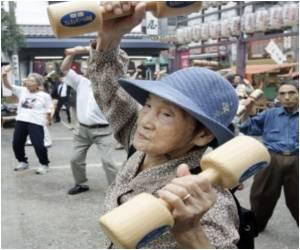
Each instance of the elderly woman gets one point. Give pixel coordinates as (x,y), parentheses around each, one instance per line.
(34,108)
(180,116)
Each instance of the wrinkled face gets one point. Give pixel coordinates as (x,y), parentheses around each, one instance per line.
(31,84)
(163,128)
(288,96)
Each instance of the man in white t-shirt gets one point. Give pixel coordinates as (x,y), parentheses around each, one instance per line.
(34,109)
(93,128)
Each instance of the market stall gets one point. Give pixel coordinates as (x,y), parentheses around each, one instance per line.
(267,77)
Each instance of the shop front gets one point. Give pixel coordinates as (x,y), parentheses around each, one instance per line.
(42,50)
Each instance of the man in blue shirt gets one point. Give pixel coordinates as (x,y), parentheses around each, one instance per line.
(279,128)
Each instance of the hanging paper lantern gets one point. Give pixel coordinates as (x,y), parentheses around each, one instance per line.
(204,31)
(276,17)
(235,26)
(225,28)
(290,14)
(249,20)
(262,20)
(196,33)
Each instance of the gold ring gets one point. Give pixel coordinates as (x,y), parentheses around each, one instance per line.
(186,197)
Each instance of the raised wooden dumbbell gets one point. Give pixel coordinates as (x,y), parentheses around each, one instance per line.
(79,17)
(255,96)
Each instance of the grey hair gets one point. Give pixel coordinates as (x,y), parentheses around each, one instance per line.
(39,79)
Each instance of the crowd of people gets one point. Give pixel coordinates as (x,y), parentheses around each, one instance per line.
(170,122)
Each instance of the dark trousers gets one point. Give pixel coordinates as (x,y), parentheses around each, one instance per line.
(36,133)
(62,101)
(283,171)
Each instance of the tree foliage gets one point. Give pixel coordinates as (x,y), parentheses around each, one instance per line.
(11,36)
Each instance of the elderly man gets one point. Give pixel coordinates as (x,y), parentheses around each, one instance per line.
(279,128)
(93,128)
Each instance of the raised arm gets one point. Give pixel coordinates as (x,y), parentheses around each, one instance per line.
(107,64)
(70,54)
(66,64)
(5,80)
(255,125)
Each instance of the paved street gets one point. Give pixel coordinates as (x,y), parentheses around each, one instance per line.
(38,213)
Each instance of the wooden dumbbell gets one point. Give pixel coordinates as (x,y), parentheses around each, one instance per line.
(255,95)
(144,217)
(79,17)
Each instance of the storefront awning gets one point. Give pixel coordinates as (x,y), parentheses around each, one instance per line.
(40,41)
(263,68)
(71,42)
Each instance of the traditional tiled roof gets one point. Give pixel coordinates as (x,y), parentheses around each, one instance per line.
(37,30)
(46,31)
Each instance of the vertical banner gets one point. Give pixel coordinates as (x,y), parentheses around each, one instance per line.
(151,24)
(15,69)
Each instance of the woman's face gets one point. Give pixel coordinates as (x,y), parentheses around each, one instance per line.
(163,128)
(32,85)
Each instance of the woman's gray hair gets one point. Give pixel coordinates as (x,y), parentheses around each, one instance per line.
(38,78)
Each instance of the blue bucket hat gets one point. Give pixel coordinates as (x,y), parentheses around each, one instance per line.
(204,94)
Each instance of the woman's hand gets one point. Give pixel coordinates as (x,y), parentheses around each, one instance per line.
(4,77)
(190,196)
(112,30)
(5,70)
